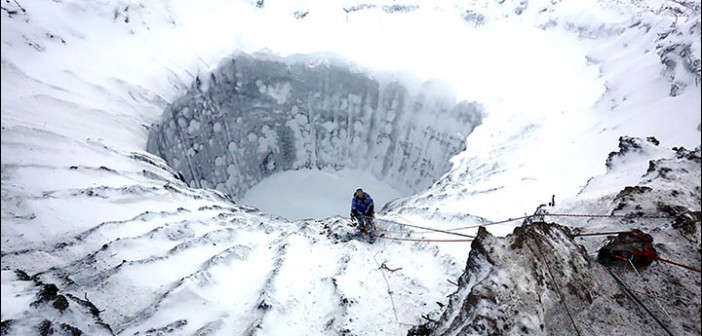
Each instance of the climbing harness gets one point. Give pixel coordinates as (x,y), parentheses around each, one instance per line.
(368,225)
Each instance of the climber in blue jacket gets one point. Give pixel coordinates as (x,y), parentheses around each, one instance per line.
(362,211)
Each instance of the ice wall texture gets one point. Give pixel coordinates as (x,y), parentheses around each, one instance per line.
(255,116)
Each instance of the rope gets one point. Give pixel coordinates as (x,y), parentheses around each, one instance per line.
(399,231)
(380,267)
(524,217)
(588,215)
(538,244)
(678,264)
(428,240)
(636,299)
(553,215)
(648,292)
(491,223)
(598,234)
(558,289)
(450,231)
(424,228)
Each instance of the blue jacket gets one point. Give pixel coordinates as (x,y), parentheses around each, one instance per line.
(364,207)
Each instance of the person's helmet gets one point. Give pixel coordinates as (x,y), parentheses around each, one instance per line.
(358,193)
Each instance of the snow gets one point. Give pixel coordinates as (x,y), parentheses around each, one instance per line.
(85,206)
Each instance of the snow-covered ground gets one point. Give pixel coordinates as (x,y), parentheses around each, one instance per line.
(101,236)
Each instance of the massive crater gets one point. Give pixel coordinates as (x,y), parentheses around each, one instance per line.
(256,115)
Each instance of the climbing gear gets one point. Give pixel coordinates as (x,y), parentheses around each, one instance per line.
(365,227)
(634,246)
(644,257)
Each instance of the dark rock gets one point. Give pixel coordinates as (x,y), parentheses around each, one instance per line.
(71,330)
(48,293)
(6,327)
(45,328)
(60,303)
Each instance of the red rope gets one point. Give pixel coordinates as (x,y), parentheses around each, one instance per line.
(677,264)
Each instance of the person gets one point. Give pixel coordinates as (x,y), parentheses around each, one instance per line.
(362,211)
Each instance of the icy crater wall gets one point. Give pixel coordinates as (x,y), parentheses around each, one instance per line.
(253,117)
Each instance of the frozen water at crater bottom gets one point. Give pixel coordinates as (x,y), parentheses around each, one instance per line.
(312,193)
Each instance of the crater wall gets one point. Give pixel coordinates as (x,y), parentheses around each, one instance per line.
(255,116)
